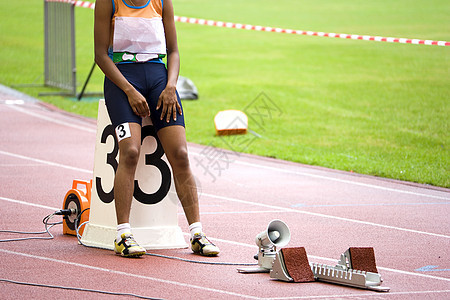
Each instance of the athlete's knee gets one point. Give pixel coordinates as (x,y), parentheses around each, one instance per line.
(179,159)
(129,155)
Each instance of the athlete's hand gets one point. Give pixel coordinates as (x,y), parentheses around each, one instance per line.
(169,103)
(138,103)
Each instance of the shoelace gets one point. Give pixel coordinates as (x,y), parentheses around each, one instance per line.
(129,241)
(203,240)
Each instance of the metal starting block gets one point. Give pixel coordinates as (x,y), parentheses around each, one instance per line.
(343,273)
(354,278)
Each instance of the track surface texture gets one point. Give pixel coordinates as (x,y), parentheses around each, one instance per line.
(43,149)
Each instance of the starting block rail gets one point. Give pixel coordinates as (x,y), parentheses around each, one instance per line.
(350,277)
(341,273)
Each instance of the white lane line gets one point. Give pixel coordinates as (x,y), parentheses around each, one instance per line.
(52,120)
(45,162)
(29,204)
(299,173)
(246,202)
(368,295)
(255,165)
(110,271)
(19,165)
(239,212)
(414,274)
(253,246)
(285,209)
(272,207)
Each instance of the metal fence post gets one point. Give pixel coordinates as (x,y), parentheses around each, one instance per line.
(59,39)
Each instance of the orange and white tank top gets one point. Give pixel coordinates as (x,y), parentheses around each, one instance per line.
(137,32)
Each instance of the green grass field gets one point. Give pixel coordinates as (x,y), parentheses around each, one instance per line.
(370,107)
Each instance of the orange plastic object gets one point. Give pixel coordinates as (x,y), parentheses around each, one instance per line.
(79,199)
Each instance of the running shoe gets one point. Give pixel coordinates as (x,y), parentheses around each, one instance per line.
(128,246)
(201,245)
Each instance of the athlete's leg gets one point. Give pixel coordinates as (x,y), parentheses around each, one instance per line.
(120,112)
(124,180)
(129,147)
(172,136)
(173,140)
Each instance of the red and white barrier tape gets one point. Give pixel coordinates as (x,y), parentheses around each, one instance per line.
(289,31)
(85,4)
(76,3)
(311,33)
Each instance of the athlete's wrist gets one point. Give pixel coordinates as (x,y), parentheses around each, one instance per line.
(171,87)
(129,90)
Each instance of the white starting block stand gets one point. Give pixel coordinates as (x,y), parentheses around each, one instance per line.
(154,208)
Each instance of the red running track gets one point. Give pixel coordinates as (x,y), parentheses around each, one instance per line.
(43,149)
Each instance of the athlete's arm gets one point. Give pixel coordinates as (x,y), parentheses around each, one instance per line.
(168,98)
(102,33)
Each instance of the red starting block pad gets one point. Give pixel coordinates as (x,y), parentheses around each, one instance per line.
(291,264)
(362,259)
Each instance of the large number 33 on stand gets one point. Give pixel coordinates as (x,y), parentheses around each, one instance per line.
(154,159)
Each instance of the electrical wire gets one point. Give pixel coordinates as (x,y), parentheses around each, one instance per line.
(47,225)
(159,255)
(77,289)
(201,262)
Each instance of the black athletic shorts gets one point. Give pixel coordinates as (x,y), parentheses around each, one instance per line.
(150,79)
